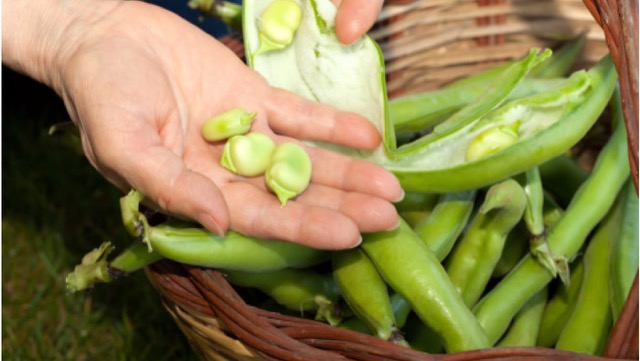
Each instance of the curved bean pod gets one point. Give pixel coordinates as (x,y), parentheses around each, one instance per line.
(566,237)
(413,271)
(588,327)
(623,264)
(199,247)
(365,292)
(475,256)
(560,306)
(296,289)
(441,228)
(523,331)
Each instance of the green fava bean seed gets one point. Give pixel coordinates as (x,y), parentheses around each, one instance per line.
(248,155)
(492,140)
(278,24)
(290,171)
(223,126)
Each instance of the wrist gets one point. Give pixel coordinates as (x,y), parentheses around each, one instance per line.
(36,35)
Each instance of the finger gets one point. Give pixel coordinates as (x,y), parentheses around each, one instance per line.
(371,214)
(353,175)
(294,116)
(355,18)
(258,213)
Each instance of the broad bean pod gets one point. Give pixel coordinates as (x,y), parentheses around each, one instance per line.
(475,256)
(413,271)
(587,329)
(623,263)
(365,292)
(417,112)
(442,227)
(298,290)
(560,306)
(524,329)
(194,245)
(566,237)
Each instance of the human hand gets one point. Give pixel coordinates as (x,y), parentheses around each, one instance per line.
(139,83)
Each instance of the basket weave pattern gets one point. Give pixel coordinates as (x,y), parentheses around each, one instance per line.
(426,45)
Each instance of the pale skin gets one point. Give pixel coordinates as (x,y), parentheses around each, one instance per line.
(139,82)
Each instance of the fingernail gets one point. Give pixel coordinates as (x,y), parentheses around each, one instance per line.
(401,196)
(358,242)
(395,226)
(210,223)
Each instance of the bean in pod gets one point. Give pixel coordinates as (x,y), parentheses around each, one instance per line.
(407,264)
(278,24)
(365,292)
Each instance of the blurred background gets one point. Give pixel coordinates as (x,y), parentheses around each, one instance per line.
(55,209)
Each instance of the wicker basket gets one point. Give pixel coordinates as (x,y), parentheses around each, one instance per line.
(426,43)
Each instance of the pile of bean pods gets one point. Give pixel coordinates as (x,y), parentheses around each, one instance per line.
(505,239)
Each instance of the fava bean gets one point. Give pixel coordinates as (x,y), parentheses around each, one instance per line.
(235,121)
(248,155)
(289,172)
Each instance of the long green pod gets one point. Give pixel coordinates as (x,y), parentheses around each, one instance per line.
(623,265)
(235,251)
(296,289)
(421,111)
(588,328)
(192,244)
(566,237)
(523,331)
(475,256)
(365,292)
(413,271)
(546,130)
(442,227)
(560,306)
(491,98)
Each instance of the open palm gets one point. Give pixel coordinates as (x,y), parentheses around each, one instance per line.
(141,82)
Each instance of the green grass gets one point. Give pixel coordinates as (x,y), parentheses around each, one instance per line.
(56,208)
